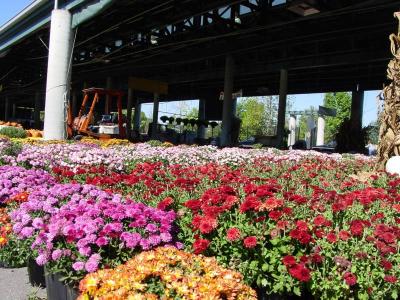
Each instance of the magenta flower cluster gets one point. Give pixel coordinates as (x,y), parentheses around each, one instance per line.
(81,226)
(15,180)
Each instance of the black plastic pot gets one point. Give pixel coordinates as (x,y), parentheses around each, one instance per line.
(56,290)
(5,265)
(262,295)
(36,274)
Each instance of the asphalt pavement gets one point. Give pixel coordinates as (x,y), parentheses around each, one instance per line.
(14,285)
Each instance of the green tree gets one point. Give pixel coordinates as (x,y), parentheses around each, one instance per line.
(373,132)
(144,122)
(340,101)
(192,113)
(258,115)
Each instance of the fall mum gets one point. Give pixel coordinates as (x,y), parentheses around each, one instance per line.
(300,272)
(250,242)
(233,234)
(200,245)
(350,278)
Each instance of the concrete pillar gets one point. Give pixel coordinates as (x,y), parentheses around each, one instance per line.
(129,114)
(321,131)
(228,105)
(155,116)
(283,90)
(57,85)
(137,115)
(36,112)
(201,130)
(6,108)
(14,110)
(292,129)
(108,97)
(357,105)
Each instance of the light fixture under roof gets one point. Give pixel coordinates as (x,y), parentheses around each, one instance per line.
(303,9)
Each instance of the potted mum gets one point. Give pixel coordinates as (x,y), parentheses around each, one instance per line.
(78,229)
(166,272)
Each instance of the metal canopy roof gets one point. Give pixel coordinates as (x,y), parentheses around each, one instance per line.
(327,45)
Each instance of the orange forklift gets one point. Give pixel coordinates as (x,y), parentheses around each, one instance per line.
(110,126)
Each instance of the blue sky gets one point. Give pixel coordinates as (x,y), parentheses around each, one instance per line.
(304,101)
(9,8)
(300,102)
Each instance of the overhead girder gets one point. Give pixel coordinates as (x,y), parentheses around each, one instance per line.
(194,36)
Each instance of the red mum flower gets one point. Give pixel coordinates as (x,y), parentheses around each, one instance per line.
(300,272)
(338,206)
(301,225)
(281,224)
(200,245)
(193,204)
(344,235)
(250,203)
(319,233)
(396,207)
(302,236)
(207,224)
(287,211)
(390,278)
(298,199)
(387,265)
(331,237)
(271,203)
(319,220)
(350,278)
(250,242)
(274,215)
(250,188)
(233,234)
(304,259)
(388,237)
(356,228)
(165,203)
(289,261)
(316,258)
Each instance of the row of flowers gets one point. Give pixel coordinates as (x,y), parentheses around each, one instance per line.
(290,223)
(121,156)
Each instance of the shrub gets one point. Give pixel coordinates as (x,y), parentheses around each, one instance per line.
(155,143)
(13,132)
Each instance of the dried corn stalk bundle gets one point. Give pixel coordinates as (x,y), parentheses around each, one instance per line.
(389,133)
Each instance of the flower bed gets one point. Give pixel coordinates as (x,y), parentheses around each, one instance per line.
(80,228)
(292,223)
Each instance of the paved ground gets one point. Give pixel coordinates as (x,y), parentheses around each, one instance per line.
(14,285)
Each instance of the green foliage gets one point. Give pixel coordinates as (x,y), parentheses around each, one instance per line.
(192,113)
(258,146)
(258,115)
(340,101)
(155,143)
(303,127)
(373,132)
(14,149)
(16,252)
(144,122)
(13,132)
